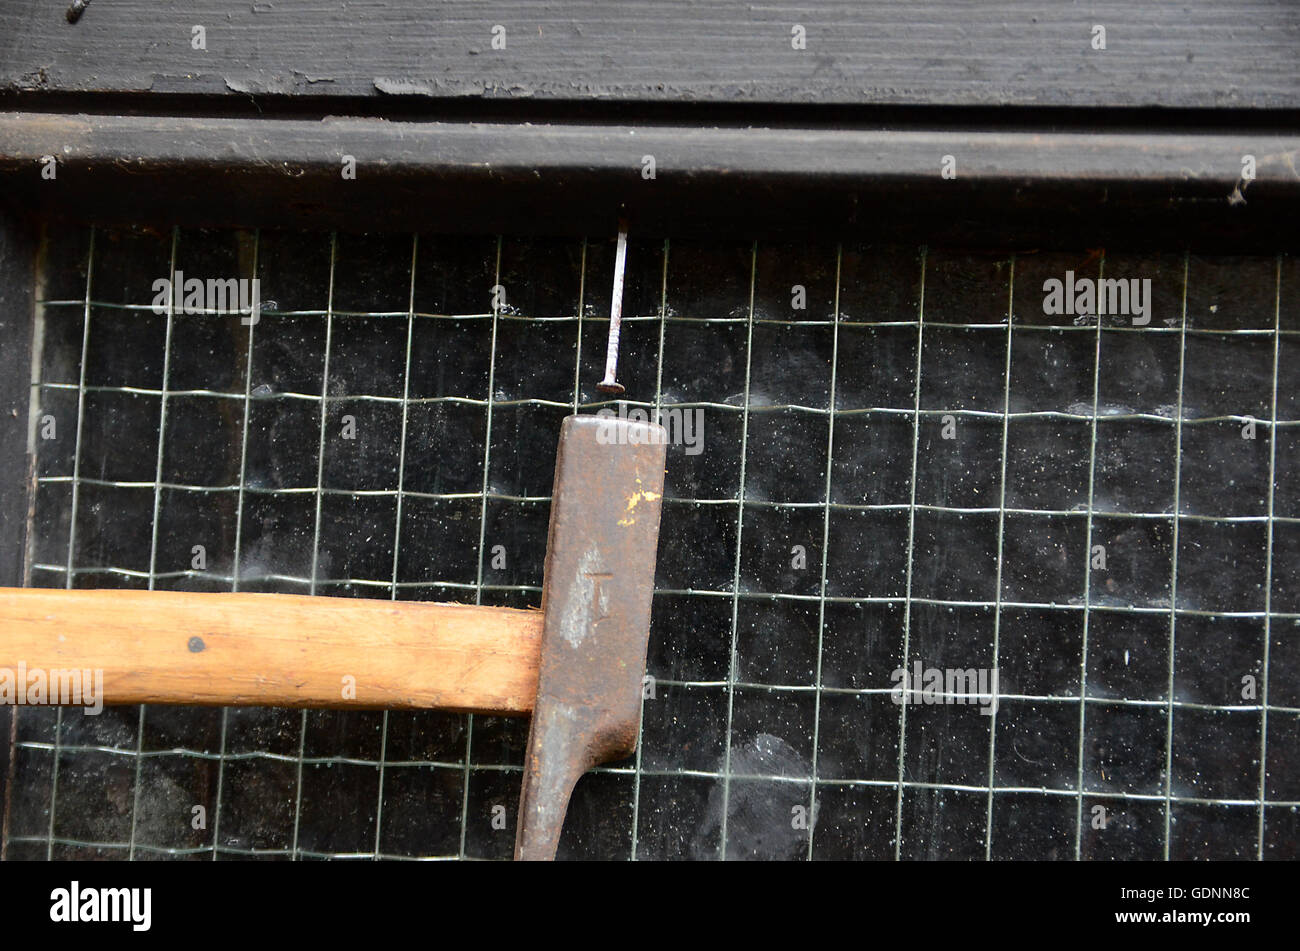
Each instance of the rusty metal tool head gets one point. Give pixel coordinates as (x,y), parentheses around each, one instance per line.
(599,578)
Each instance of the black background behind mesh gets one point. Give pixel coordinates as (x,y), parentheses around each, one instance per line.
(822,430)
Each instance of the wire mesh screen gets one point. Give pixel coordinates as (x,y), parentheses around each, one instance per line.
(907,464)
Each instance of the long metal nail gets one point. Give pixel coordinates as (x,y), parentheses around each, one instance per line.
(610,384)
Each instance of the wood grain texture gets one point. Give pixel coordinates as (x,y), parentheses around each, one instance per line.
(1195,54)
(287,149)
(1049,188)
(278,650)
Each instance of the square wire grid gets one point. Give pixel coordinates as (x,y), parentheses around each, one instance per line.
(915,466)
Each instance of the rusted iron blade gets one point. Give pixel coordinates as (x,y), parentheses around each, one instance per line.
(599,578)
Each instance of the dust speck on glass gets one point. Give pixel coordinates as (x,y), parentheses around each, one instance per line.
(917,469)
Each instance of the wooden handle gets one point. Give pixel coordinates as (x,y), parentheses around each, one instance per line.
(278,649)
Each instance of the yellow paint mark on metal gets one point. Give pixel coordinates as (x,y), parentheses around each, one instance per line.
(633,500)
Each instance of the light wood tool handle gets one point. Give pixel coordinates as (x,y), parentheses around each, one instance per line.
(278,649)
